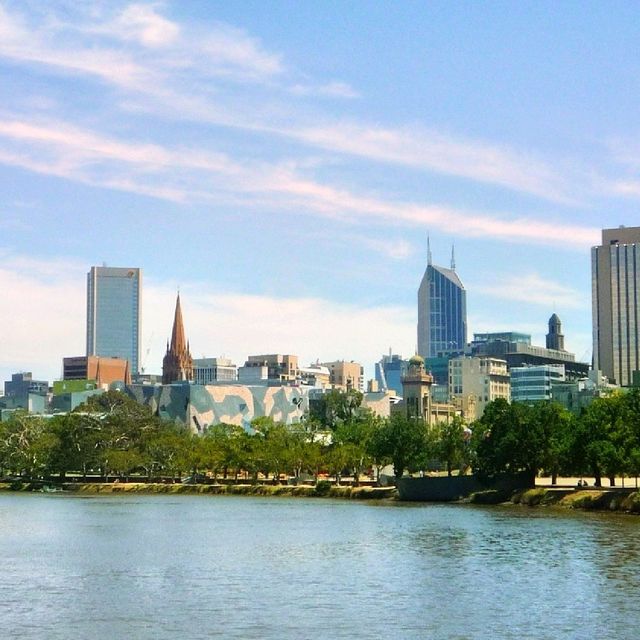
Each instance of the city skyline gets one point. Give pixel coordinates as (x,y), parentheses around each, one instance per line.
(217,148)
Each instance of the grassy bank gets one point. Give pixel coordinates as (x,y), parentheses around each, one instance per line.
(321,490)
(590,499)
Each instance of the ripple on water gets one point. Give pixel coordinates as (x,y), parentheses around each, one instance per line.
(202,566)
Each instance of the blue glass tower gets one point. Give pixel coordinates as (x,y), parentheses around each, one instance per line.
(113,314)
(442,311)
(389,372)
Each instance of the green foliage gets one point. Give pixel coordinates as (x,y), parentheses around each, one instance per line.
(336,407)
(26,445)
(322,487)
(113,435)
(490,496)
(510,438)
(401,440)
(603,441)
(603,438)
(448,443)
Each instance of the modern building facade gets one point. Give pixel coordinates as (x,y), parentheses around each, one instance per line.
(576,395)
(516,349)
(214,370)
(615,281)
(315,375)
(535,383)
(442,311)
(113,313)
(279,369)
(389,371)
(23,383)
(345,375)
(103,371)
(475,382)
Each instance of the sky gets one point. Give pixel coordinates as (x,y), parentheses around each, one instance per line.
(282,164)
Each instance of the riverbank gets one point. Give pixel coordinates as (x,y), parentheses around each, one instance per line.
(592,499)
(321,490)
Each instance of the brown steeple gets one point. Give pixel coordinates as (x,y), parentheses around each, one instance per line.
(177,364)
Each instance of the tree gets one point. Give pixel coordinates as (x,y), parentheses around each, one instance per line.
(26,445)
(599,440)
(505,440)
(403,441)
(354,436)
(450,443)
(337,458)
(78,438)
(553,425)
(377,446)
(335,407)
(273,440)
(631,422)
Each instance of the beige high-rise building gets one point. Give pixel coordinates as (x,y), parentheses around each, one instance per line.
(615,280)
(345,375)
(280,368)
(474,382)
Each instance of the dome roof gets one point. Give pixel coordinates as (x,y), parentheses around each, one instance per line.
(416,360)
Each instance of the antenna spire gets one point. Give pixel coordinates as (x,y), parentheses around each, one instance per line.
(453,258)
(428,249)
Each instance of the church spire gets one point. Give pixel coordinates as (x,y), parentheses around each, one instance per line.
(178,342)
(177,364)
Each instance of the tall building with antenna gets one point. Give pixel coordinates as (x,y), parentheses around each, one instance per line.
(113,313)
(442,310)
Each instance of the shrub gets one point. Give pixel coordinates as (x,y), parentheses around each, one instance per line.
(491,496)
(632,502)
(322,488)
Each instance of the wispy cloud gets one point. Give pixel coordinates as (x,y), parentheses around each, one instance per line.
(429,150)
(331,89)
(167,68)
(64,150)
(130,47)
(145,25)
(394,248)
(533,289)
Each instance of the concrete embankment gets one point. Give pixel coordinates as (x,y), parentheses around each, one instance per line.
(321,490)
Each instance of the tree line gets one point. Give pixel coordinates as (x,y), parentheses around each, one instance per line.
(112,435)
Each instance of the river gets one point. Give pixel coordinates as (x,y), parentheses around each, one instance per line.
(193,567)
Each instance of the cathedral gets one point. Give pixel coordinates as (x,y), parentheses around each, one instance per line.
(177,364)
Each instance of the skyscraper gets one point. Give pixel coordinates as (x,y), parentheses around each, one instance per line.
(389,372)
(442,311)
(113,313)
(615,280)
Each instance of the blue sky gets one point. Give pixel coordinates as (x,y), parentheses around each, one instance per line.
(283,162)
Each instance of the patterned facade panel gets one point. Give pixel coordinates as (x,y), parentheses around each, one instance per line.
(198,406)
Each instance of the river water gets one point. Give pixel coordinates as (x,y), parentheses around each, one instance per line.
(191,567)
